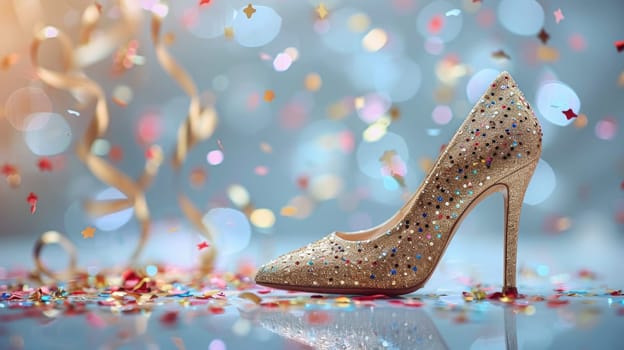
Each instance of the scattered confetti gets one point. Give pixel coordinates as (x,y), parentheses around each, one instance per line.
(543,36)
(88,232)
(203,245)
(321,11)
(619,45)
(558,15)
(569,113)
(32,202)
(249,11)
(204,2)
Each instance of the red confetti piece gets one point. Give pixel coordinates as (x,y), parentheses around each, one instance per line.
(8,169)
(556,302)
(619,45)
(204,2)
(32,201)
(264,291)
(435,24)
(303,181)
(217,310)
(203,245)
(44,164)
(569,114)
(370,297)
(317,318)
(115,154)
(169,318)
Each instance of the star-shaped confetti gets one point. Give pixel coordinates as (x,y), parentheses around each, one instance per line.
(88,232)
(558,16)
(500,54)
(321,11)
(249,11)
(569,114)
(203,245)
(44,164)
(228,32)
(619,45)
(543,36)
(32,202)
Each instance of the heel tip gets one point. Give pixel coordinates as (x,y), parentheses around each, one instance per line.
(511,292)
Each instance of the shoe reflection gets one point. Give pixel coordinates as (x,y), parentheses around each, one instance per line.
(352,327)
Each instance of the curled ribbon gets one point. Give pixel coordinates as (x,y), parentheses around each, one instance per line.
(105,172)
(53,237)
(198,126)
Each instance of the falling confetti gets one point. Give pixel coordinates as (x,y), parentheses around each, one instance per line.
(569,114)
(8,170)
(204,2)
(543,36)
(558,16)
(32,202)
(249,11)
(203,245)
(321,11)
(8,61)
(500,54)
(88,232)
(228,32)
(269,95)
(44,164)
(619,45)
(453,12)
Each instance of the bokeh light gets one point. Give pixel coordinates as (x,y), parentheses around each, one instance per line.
(238,195)
(346,30)
(313,82)
(432,21)
(371,107)
(230,227)
(521,17)
(215,157)
(149,128)
(542,184)
(375,40)
(442,115)
(24,102)
(261,29)
(47,138)
(606,128)
(262,218)
(217,344)
(396,77)
(325,187)
(282,62)
(321,149)
(555,97)
(478,84)
(114,221)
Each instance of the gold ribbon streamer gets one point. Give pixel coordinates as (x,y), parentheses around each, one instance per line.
(198,126)
(105,172)
(53,237)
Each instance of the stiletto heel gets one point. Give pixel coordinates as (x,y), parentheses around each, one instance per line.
(515,187)
(496,149)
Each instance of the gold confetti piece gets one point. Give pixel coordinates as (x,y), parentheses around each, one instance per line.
(342,300)
(288,211)
(321,11)
(228,32)
(621,79)
(580,121)
(269,95)
(251,297)
(88,232)
(547,54)
(313,82)
(8,61)
(266,148)
(249,11)
(395,113)
(500,54)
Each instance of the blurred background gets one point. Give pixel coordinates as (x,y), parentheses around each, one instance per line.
(316,103)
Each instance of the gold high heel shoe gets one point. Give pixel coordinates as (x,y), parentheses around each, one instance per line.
(496,149)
